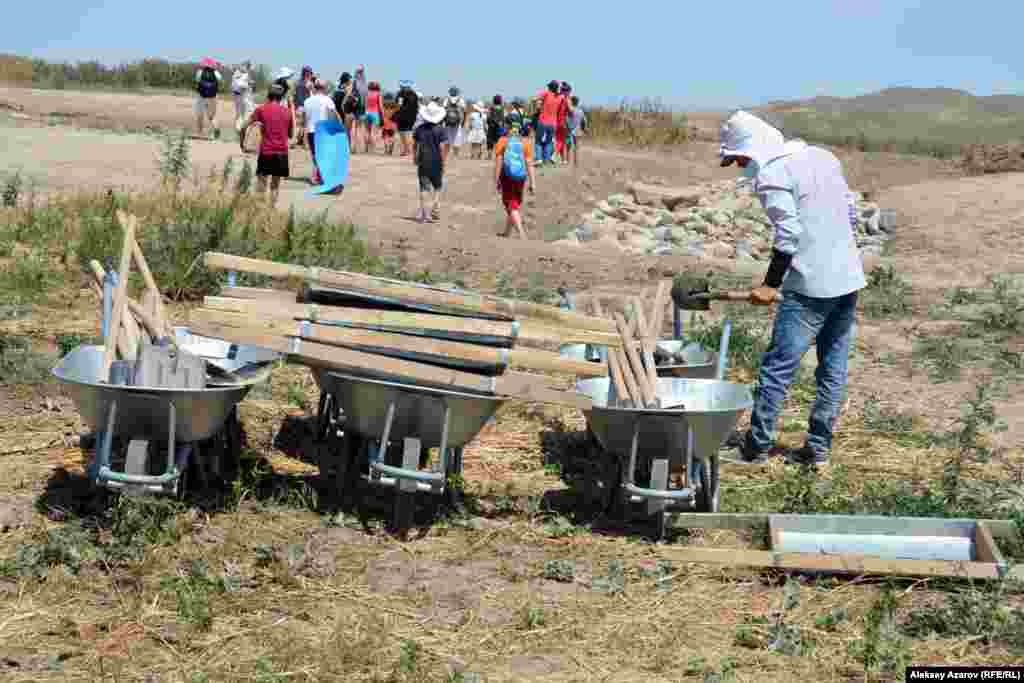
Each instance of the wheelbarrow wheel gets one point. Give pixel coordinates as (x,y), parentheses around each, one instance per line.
(707,497)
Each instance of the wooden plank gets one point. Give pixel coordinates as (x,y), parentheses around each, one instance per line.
(741,521)
(110,343)
(394,321)
(533,332)
(538,389)
(408,291)
(634,367)
(985,546)
(325,356)
(841,564)
(370,341)
(515,385)
(546,361)
(661,300)
(136,309)
(424,350)
(618,380)
(721,520)
(260,294)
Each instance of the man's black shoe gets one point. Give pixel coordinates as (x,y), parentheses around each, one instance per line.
(807,457)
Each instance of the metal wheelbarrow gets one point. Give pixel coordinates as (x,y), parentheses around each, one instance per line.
(200,427)
(379,432)
(640,444)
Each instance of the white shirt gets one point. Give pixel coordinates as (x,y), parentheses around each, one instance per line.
(240,82)
(808,201)
(317,108)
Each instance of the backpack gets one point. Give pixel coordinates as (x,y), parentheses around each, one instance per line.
(453,114)
(513,164)
(208,83)
(496,118)
(353,102)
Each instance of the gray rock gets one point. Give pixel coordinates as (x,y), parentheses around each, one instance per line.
(662,250)
(694,248)
(681,235)
(871,225)
(682,198)
(887,220)
(662,234)
(585,232)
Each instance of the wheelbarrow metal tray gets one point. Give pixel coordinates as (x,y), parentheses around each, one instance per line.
(709,407)
(419,410)
(200,413)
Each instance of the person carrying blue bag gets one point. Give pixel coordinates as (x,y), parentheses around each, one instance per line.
(513,167)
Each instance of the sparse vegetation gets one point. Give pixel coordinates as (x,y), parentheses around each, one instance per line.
(887,294)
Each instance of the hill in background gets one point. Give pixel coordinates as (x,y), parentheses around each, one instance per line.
(934,121)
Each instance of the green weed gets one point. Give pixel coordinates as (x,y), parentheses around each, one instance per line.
(881,647)
(976,613)
(11,190)
(563,571)
(175,162)
(887,295)
(531,618)
(193,588)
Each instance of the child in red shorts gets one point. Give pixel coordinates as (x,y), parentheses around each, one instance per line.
(513,167)
(389,129)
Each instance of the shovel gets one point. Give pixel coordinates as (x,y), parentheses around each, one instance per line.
(696,295)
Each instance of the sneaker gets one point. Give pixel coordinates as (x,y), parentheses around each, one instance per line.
(807,457)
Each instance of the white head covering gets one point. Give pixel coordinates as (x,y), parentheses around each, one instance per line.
(794,145)
(743,134)
(432,113)
(284,72)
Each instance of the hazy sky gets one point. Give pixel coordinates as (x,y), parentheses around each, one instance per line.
(691,54)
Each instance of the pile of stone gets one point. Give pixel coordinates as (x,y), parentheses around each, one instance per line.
(979,159)
(721,220)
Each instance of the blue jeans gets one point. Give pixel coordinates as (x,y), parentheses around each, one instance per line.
(799,321)
(545,141)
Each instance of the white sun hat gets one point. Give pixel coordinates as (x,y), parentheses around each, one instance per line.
(745,135)
(284,72)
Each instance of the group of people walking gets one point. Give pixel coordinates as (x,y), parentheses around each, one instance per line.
(518,136)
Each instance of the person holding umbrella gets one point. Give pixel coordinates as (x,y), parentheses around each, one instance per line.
(208,80)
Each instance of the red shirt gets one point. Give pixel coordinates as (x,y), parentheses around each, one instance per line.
(549,108)
(373,103)
(277,127)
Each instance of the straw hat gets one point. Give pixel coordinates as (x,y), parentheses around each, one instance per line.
(433,113)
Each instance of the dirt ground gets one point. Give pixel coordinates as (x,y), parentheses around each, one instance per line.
(341,602)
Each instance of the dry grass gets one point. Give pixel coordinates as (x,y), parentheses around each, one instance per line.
(273,583)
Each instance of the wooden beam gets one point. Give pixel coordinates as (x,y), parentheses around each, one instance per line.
(434,351)
(840,564)
(407,291)
(515,385)
(260,294)
(419,324)
(325,356)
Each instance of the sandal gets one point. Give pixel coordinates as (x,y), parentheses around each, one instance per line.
(435,214)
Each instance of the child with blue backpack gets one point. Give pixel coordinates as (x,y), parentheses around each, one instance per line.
(513,167)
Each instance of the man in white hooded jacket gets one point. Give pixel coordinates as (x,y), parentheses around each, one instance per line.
(816,265)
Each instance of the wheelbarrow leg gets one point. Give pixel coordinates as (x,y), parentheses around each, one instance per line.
(659,481)
(405,489)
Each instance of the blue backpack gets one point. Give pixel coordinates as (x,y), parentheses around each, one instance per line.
(514,160)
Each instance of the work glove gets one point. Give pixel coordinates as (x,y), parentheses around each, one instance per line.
(763,295)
